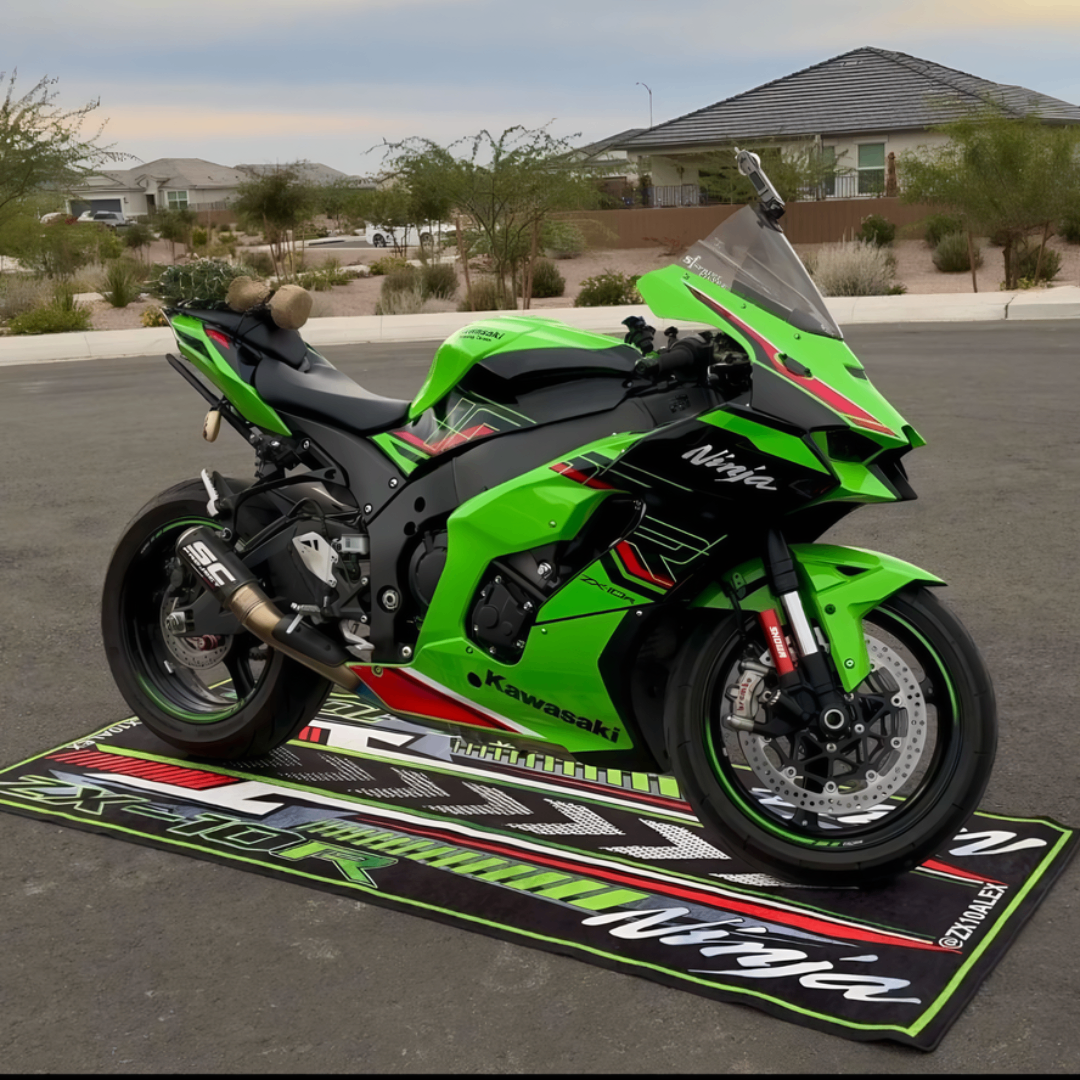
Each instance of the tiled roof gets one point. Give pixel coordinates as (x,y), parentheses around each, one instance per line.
(865,90)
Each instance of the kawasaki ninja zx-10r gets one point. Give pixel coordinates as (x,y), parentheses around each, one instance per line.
(581,542)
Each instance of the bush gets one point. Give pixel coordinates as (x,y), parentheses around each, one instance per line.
(547,281)
(260,262)
(951,254)
(407,301)
(121,284)
(153,316)
(1069,229)
(403,279)
(439,280)
(62,315)
(1028,256)
(853,268)
(563,239)
(483,296)
(198,237)
(877,230)
(388,263)
(20,293)
(203,281)
(608,289)
(937,226)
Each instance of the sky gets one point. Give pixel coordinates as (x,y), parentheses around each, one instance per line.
(332,81)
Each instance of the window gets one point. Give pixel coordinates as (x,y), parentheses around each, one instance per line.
(177,200)
(871,168)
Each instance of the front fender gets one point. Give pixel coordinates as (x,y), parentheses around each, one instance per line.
(838,586)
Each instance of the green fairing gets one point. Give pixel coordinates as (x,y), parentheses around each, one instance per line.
(667,294)
(191,333)
(768,440)
(510,333)
(835,599)
(397,451)
(560,664)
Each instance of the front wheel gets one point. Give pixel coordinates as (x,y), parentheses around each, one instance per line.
(854,808)
(224,695)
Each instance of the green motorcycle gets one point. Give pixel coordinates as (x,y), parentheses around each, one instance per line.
(567,539)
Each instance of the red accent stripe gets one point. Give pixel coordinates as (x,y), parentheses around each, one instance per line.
(401,692)
(568,470)
(176,775)
(456,438)
(774,636)
(952,871)
(811,923)
(630,559)
(819,389)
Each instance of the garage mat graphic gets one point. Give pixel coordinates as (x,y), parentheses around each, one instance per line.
(606,866)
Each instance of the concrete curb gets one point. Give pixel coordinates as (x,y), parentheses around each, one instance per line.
(1062,302)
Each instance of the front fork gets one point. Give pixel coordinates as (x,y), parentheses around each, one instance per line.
(807,690)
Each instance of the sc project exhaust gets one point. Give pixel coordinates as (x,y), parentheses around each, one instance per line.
(236,588)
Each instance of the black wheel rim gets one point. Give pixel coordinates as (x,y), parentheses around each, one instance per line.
(192,679)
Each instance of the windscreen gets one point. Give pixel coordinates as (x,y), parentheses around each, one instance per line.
(750,256)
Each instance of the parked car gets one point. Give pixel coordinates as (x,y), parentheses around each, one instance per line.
(112,219)
(48,219)
(381,235)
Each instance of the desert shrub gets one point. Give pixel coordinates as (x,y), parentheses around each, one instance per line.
(876,230)
(199,237)
(260,262)
(403,279)
(388,263)
(547,281)
(951,254)
(405,301)
(608,290)
(1028,257)
(137,236)
(20,293)
(937,226)
(484,296)
(61,315)
(562,239)
(205,281)
(1069,228)
(153,316)
(439,280)
(853,268)
(121,283)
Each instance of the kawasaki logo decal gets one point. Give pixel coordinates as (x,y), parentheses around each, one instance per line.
(515,692)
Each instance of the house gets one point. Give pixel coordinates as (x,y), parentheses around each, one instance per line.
(609,162)
(857,109)
(164,184)
(178,183)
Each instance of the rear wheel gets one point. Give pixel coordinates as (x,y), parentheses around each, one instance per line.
(215,695)
(858,807)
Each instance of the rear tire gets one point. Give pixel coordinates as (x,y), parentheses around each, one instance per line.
(234,699)
(854,810)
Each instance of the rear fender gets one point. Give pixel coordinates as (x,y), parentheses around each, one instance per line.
(838,586)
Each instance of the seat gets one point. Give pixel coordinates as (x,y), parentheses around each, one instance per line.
(321,392)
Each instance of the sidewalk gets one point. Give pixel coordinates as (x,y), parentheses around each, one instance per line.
(1058,303)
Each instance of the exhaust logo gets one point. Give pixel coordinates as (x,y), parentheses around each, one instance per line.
(205,561)
(551,709)
(731,471)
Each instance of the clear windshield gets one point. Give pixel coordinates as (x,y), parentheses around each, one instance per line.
(752,258)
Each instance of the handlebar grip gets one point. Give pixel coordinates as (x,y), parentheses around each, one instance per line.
(681,355)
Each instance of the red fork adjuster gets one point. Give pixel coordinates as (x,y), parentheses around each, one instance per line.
(774,635)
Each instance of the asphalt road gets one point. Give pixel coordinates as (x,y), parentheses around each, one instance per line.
(118,958)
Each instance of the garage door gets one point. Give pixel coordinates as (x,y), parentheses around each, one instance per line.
(106,204)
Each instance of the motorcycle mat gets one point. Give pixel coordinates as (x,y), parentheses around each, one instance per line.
(609,867)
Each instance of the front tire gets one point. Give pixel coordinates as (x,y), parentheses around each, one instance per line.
(225,696)
(855,810)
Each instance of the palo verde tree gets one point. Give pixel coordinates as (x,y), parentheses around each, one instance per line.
(278,203)
(506,188)
(1003,175)
(43,147)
